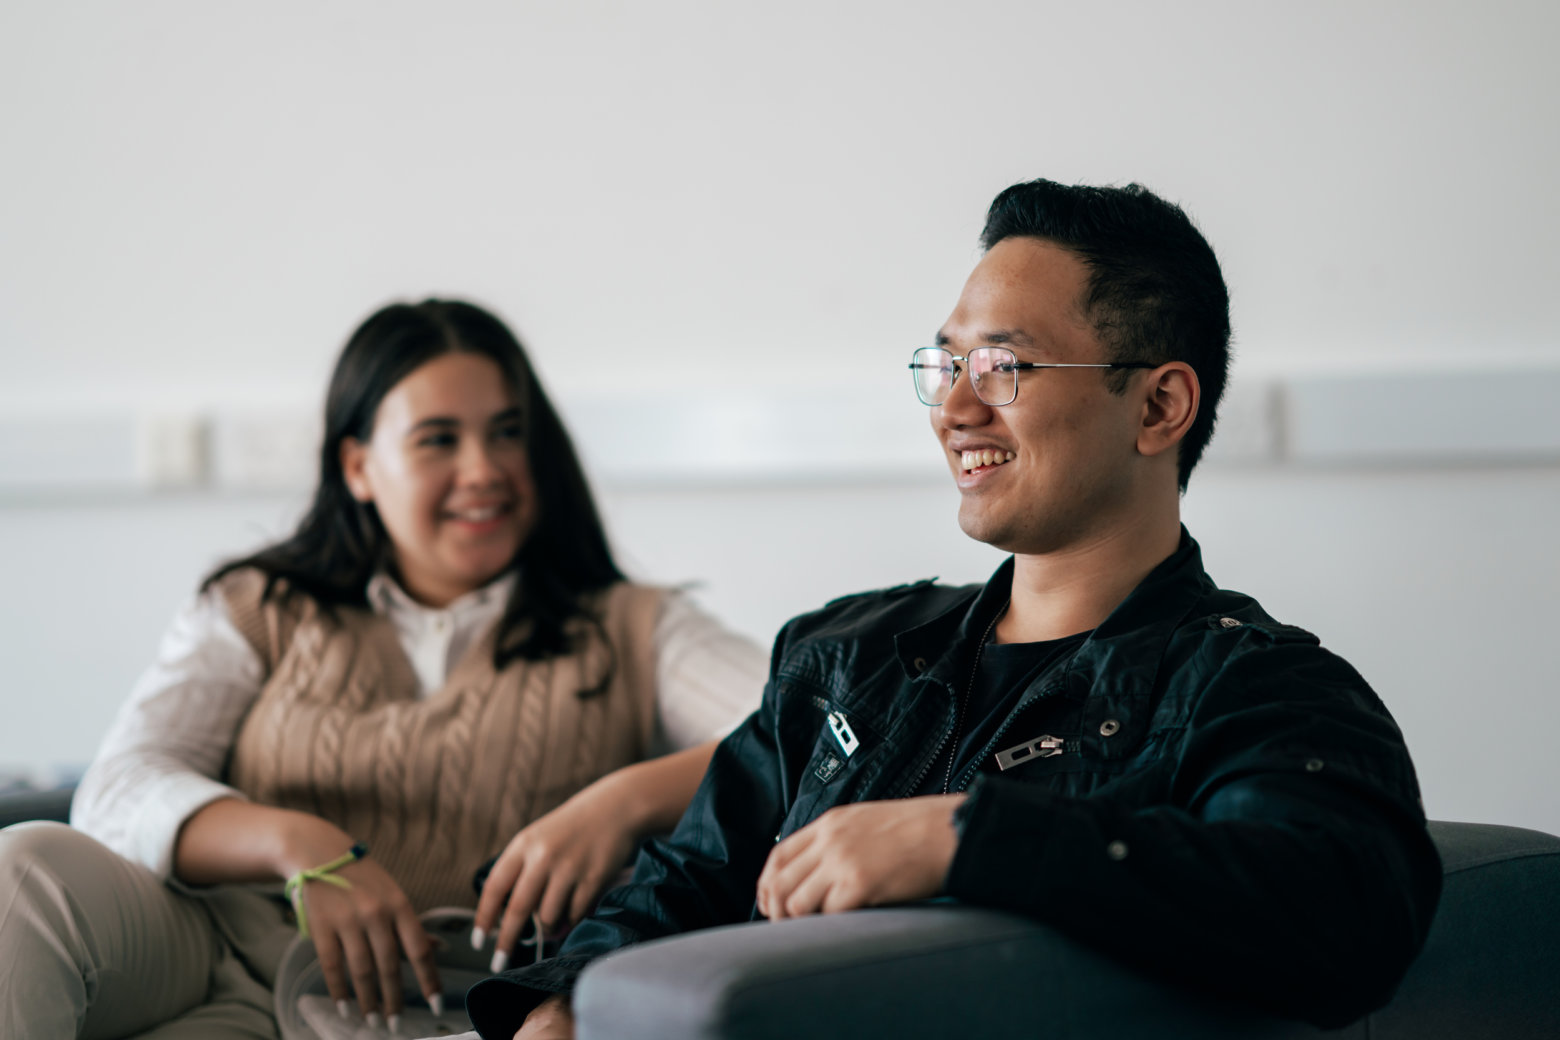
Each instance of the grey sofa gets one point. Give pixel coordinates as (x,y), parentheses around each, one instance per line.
(1491,968)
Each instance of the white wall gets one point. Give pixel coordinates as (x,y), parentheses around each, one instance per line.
(201,200)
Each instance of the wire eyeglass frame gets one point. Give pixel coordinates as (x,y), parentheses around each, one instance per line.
(984,363)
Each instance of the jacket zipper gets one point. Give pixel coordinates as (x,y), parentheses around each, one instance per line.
(966,777)
(1041,747)
(920,775)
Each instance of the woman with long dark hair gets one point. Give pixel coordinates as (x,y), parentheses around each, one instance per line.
(441,663)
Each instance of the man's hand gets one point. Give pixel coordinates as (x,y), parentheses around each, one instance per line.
(551,1020)
(866,854)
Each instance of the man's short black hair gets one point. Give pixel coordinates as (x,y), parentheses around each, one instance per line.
(1155,292)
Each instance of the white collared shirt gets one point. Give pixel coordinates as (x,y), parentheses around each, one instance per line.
(163,757)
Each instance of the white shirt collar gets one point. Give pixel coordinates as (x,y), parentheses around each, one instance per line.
(387,598)
(436,638)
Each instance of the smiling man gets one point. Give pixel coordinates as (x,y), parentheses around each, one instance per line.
(1099,737)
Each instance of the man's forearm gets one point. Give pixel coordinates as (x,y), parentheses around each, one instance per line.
(1308,920)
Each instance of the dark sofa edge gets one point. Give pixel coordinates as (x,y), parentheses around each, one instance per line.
(24,806)
(1468,846)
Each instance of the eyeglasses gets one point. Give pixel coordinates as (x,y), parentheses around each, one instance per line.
(993,373)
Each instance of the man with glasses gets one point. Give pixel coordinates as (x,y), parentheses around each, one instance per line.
(1098,737)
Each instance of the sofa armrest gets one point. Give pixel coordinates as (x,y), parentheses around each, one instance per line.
(925,971)
(1490,965)
(21,806)
(940,970)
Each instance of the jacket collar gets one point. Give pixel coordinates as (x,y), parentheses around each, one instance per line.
(1121,656)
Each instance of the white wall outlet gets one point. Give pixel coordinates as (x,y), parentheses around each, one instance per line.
(271,450)
(170,450)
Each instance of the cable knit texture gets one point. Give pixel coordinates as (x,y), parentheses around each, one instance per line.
(435,786)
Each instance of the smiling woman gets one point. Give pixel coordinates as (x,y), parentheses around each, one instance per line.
(447,474)
(441,663)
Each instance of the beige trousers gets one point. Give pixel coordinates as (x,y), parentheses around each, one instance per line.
(94,946)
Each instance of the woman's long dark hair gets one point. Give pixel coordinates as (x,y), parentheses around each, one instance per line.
(341,543)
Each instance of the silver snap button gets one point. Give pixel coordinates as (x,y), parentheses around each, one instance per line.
(1116,850)
(1313,765)
(1109,727)
(1228,622)
(920,664)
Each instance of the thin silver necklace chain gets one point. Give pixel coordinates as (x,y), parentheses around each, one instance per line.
(969,691)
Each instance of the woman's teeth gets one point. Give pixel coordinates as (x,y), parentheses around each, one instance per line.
(477,516)
(974,459)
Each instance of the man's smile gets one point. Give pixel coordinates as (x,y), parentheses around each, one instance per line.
(983,458)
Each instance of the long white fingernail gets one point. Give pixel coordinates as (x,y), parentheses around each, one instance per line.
(343,1009)
(478,937)
(500,962)
(395,1023)
(373,1020)
(436,1002)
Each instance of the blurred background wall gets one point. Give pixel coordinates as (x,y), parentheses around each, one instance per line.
(720,228)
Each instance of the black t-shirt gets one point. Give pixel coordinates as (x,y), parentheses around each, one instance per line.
(1005,671)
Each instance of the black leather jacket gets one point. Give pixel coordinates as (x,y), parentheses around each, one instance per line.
(1225,804)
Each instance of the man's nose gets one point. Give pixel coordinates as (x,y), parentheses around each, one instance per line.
(963,407)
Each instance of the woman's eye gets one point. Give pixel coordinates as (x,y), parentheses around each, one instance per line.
(437,440)
(510,432)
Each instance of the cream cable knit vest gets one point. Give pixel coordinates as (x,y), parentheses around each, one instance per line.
(437,785)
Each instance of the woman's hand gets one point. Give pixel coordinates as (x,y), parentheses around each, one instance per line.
(360,935)
(560,865)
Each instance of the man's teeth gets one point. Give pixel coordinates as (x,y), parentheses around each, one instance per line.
(974,459)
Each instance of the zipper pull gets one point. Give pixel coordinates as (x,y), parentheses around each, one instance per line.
(1041,747)
(843,733)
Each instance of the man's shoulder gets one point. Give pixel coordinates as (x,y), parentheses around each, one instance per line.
(879,612)
(1235,617)
(1230,633)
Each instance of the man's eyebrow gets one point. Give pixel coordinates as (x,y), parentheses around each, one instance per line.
(996,337)
(1012,337)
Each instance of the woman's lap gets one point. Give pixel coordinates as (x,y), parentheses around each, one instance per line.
(98,947)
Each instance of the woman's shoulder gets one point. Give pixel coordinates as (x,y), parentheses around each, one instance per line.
(250,587)
(265,607)
(243,583)
(628,595)
(626,611)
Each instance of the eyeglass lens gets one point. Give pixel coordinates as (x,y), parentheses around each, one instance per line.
(990,369)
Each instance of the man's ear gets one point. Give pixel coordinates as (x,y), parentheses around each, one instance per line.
(354,469)
(1171,397)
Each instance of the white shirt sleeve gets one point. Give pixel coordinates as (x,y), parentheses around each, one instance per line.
(708,678)
(162,757)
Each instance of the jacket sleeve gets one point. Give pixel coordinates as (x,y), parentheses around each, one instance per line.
(1289,868)
(702,876)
